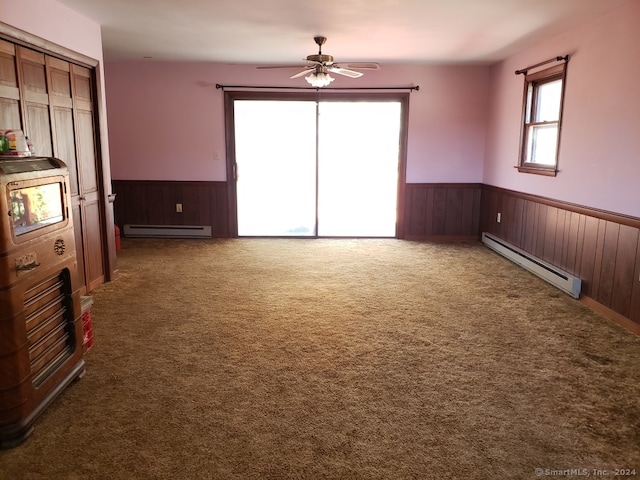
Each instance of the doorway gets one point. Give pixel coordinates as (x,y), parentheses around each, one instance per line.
(308,167)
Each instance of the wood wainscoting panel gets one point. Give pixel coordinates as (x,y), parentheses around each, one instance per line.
(441,210)
(571,241)
(602,248)
(589,257)
(624,274)
(153,202)
(634,313)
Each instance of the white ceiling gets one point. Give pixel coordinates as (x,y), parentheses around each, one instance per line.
(282,31)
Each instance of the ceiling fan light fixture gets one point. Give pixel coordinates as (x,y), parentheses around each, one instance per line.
(319,79)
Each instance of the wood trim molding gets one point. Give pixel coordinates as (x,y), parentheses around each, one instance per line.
(572,207)
(549,172)
(612,315)
(446,185)
(29,40)
(443,239)
(166,183)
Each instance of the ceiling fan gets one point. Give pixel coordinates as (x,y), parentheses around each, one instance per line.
(318,67)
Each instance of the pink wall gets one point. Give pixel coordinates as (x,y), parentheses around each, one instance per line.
(166,120)
(56,23)
(599,154)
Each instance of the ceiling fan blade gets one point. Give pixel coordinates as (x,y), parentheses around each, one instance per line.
(264,67)
(364,65)
(345,72)
(309,64)
(304,72)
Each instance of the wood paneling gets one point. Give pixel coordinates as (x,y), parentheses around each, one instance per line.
(9,92)
(80,275)
(61,104)
(59,77)
(37,124)
(7,64)
(33,74)
(625,264)
(154,203)
(447,211)
(441,210)
(602,248)
(94,254)
(89,176)
(64,146)
(39,127)
(9,113)
(82,88)
(634,309)
(85,146)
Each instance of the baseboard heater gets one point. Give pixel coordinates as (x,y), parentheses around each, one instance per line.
(167,231)
(561,279)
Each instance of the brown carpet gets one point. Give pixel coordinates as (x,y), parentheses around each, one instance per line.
(338,359)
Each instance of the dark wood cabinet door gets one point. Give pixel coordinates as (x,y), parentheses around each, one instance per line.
(80,280)
(37,124)
(93,250)
(86,151)
(64,148)
(90,207)
(9,91)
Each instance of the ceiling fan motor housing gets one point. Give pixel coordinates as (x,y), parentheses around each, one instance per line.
(326,59)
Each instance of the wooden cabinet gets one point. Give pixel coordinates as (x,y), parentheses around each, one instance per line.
(53,101)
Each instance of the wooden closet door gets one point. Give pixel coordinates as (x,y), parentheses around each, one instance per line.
(59,80)
(89,195)
(64,148)
(9,90)
(37,125)
(53,102)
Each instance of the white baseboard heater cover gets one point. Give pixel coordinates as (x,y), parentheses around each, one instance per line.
(561,279)
(167,231)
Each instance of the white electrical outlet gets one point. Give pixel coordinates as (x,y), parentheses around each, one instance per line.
(499,217)
(179,207)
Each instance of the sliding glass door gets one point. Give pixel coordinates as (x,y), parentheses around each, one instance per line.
(309,168)
(275,144)
(358,155)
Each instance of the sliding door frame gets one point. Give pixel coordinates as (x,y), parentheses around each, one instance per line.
(318,96)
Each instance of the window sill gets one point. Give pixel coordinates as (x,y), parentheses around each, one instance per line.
(547,171)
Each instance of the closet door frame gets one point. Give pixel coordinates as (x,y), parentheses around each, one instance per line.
(106,198)
(322,96)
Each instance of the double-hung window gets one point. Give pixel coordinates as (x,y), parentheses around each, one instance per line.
(542,120)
